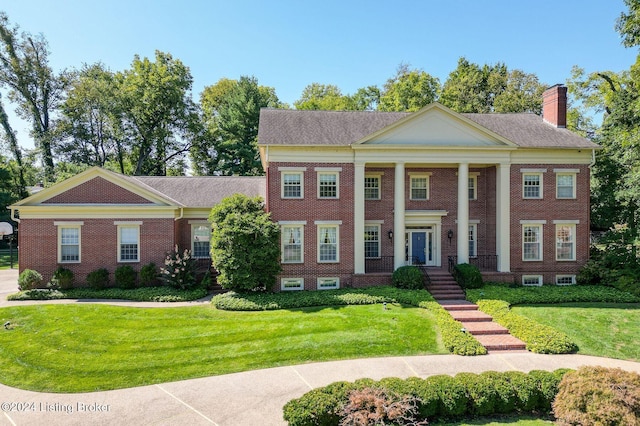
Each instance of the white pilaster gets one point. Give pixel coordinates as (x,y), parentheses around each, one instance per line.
(463,213)
(398,217)
(503,217)
(358,219)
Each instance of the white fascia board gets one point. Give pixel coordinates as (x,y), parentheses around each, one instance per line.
(551,156)
(97,212)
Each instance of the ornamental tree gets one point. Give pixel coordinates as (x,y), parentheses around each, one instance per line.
(244,244)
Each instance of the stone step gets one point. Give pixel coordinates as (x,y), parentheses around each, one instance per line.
(444,287)
(501,342)
(470,316)
(458,305)
(484,328)
(444,297)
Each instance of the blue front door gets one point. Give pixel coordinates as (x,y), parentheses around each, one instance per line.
(418,246)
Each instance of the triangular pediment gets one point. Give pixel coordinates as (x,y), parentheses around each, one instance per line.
(99,187)
(436,126)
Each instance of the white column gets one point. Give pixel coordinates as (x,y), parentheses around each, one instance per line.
(358,219)
(463,213)
(503,217)
(398,218)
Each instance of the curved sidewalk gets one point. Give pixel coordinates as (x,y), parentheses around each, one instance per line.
(248,398)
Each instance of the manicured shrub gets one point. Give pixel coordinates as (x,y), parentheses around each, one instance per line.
(427,393)
(148,275)
(598,396)
(538,337)
(452,395)
(374,406)
(29,279)
(179,270)
(547,385)
(62,279)
(408,277)
(319,407)
(125,277)
(98,279)
(526,393)
(467,276)
(480,393)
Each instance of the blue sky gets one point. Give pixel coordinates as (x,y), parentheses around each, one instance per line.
(350,43)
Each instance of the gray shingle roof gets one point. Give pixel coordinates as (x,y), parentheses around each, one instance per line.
(293,127)
(203,191)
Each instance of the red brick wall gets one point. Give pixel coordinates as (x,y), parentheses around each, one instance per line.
(97,191)
(549,208)
(39,245)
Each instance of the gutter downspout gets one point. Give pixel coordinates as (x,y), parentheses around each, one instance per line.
(13,214)
(593,158)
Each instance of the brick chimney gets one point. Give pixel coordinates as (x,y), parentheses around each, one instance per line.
(554,106)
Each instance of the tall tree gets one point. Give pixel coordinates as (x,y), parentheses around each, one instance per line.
(408,90)
(33,86)
(232,110)
(157,112)
(12,141)
(90,131)
(326,97)
(628,24)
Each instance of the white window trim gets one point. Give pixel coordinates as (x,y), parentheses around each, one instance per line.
(540,187)
(323,279)
(559,277)
(120,225)
(194,224)
(574,177)
(375,176)
(292,170)
(527,223)
(573,225)
(426,175)
(328,171)
(328,224)
(475,235)
(285,281)
(69,225)
(282,240)
(526,277)
(377,224)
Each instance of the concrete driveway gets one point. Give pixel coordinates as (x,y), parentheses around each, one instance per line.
(249,398)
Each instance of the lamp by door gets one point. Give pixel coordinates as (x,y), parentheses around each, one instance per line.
(390,233)
(450,235)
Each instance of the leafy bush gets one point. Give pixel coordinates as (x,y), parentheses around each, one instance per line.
(245,244)
(179,270)
(408,277)
(149,275)
(538,337)
(143,294)
(98,279)
(598,396)
(550,294)
(435,397)
(29,279)
(125,277)
(467,276)
(62,279)
(372,406)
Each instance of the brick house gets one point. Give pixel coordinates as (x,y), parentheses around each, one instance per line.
(508,192)
(358,194)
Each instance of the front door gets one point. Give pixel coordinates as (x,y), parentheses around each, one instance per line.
(422,247)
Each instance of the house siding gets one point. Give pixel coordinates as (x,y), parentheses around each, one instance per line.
(98,247)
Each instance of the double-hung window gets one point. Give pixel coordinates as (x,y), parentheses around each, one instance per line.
(532,185)
(291,243)
(69,237)
(566,183)
(532,241)
(565,241)
(200,236)
(128,241)
(371,187)
(473,186)
(328,182)
(473,240)
(328,242)
(419,187)
(292,182)
(372,241)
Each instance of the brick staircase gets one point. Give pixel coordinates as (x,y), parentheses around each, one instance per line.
(451,297)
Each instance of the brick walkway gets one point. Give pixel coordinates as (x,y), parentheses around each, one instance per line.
(450,296)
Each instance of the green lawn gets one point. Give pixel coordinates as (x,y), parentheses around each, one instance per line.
(601,329)
(79,348)
(5,258)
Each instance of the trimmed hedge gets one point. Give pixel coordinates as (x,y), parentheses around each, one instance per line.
(29,279)
(408,277)
(539,338)
(146,294)
(551,294)
(467,276)
(453,338)
(442,396)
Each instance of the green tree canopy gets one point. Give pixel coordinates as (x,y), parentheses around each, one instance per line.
(245,244)
(408,90)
